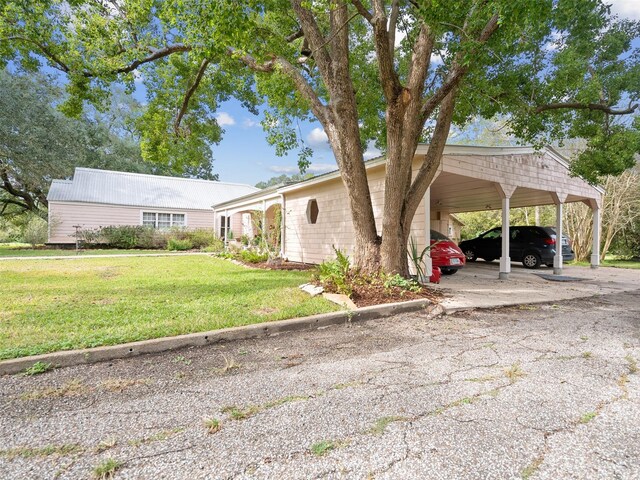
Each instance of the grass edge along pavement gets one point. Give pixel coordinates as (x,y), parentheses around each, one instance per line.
(127,350)
(52,305)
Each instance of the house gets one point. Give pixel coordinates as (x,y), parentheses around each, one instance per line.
(96,198)
(316,216)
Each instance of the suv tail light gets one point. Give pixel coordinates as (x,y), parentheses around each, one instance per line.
(550,241)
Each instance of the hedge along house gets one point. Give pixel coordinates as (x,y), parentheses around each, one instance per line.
(100,198)
(316,215)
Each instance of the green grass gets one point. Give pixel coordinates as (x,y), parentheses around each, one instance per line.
(611,262)
(51,305)
(25,250)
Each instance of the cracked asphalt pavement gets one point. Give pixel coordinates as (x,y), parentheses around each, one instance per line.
(541,392)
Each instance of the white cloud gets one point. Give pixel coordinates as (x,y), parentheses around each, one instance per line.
(625,8)
(317,138)
(315,168)
(371,152)
(284,169)
(224,119)
(248,123)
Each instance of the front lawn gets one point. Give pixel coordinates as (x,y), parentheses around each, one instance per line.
(25,250)
(50,305)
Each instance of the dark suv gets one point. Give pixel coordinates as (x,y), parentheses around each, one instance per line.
(533,246)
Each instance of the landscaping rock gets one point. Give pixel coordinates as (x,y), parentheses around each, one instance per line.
(311,289)
(340,299)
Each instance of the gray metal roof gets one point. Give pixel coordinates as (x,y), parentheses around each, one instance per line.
(135,189)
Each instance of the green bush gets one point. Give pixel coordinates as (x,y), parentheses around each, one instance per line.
(216,246)
(127,236)
(251,256)
(174,244)
(201,237)
(244,240)
(335,275)
(36,231)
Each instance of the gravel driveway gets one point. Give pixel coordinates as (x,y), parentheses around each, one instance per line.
(551,391)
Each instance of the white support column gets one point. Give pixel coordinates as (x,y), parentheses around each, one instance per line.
(226,230)
(559,199)
(264,221)
(557,260)
(595,247)
(505,259)
(283,225)
(505,191)
(428,263)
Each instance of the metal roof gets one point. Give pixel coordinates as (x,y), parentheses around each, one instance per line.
(90,185)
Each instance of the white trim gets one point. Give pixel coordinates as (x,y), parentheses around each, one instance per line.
(171,213)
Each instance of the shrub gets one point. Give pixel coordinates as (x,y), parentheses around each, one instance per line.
(216,246)
(126,236)
(174,244)
(36,231)
(335,274)
(244,239)
(200,237)
(251,256)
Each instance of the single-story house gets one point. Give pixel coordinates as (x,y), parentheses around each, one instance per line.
(99,198)
(315,212)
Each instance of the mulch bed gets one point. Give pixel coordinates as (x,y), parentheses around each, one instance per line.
(363,295)
(281,266)
(376,294)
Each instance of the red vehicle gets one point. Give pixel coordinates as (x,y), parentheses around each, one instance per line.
(446,254)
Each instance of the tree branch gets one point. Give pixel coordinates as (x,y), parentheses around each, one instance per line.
(388,77)
(362,10)
(393,25)
(586,106)
(192,89)
(457,71)
(156,54)
(43,48)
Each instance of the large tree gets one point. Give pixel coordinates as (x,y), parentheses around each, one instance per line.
(38,143)
(395,72)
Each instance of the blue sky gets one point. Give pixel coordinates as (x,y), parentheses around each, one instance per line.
(244,156)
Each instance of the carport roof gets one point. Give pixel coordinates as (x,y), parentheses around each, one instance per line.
(469,179)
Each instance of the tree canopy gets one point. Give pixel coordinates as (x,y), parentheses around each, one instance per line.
(394,72)
(38,143)
(284,179)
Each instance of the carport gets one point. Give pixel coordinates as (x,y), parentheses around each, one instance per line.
(474,178)
(316,216)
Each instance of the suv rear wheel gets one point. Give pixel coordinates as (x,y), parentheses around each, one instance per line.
(531,260)
(470,255)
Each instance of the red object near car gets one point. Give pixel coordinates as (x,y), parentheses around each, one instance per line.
(446,254)
(436,273)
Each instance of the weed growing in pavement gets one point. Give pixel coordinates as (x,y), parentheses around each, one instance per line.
(106,444)
(229,365)
(106,469)
(182,359)
(30,452)
(584,338)
(514,372)
(587,354)
(157,437)
(37,368)
(633,364)
(383,422)
(120,384)
(69,389)
(325,446)
(587,417)
(212,425)
(532,468)
(241,414)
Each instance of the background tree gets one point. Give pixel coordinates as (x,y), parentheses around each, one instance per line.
(38,143)
(284,179)
(362,68)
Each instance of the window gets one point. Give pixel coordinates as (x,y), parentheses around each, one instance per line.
(225,226)
(312,211)
(163,220)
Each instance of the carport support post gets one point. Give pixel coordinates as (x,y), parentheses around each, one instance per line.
(226,230)
(505,192)
(264,222)
(559,200)
(595,247)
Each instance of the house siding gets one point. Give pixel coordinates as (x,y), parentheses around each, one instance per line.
(334,225)
(64,215)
